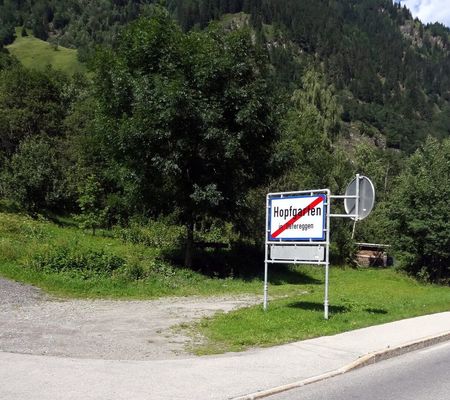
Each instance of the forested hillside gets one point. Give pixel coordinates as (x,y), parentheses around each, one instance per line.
(194,120)
(391,71)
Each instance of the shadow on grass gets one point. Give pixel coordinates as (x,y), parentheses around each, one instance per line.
(283,274)
(310,306)
(241,261)
(61,220)
(375,311)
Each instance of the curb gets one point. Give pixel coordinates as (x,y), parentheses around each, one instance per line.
(362,361)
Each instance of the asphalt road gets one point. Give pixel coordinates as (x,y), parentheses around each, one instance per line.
(420,375)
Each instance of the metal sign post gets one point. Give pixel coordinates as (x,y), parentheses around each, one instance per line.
(298,232)
(298,226)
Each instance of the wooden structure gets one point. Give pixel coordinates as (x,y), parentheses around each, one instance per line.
(372,255)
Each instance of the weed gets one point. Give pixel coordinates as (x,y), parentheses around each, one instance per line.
(69,259)
(154,234)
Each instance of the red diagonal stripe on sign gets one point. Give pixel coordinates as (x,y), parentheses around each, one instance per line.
(297,217)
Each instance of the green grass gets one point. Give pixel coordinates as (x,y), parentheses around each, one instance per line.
(31,250)
(358,298)
(23,240)
(38,54)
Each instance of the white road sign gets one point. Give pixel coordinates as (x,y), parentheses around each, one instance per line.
(297,253)
(297,218)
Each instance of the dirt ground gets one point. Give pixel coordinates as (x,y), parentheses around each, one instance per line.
(33,323)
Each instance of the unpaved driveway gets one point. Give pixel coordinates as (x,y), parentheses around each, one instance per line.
(34,323)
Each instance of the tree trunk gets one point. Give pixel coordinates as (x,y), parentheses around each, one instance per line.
(189,244)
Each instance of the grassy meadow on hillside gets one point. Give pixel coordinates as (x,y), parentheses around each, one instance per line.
(38,54)
(121,263)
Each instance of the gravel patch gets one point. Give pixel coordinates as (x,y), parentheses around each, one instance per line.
(32,322)
(15,294)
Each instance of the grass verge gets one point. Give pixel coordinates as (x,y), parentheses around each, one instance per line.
(358,298)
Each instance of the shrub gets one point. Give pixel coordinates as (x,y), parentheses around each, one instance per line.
(93,213)
(68,259)
(134,271)
(418,213)
(154,234)
(33,177)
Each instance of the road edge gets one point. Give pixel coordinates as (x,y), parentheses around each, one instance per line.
(368,359)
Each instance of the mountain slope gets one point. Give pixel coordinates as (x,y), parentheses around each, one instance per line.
(392,72)
(38,54)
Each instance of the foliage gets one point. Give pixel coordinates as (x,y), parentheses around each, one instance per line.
(392,69)
(184,116)
(190,116)
(6,34)
(34,176)
(158,234)
(419,213)
(31,103)
(70,259)
(309,157)
(6,26)
(382,167)
(35,154)
(6,61)
(305,149)
(363,51)
(93,212)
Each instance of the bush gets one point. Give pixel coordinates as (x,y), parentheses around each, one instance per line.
(34,177)
(418,213)
(93,212)
(134,271)
(342,247)
(68,259)
(9,250)
(7,35)
(154,234)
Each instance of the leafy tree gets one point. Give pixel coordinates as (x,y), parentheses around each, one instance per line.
(6,60)
(419,212)
(382,167)
(311,160)
(189,116)
(7,34)
(305,149)
(93,212)
(34,176)
(33,106)
(31,103)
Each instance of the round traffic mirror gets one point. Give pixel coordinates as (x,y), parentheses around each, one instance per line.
(364,186)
